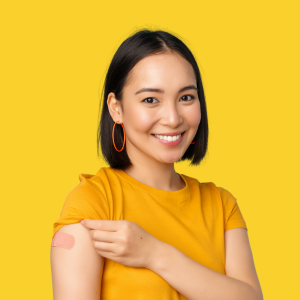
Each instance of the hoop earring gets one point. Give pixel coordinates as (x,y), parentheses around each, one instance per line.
(114,139)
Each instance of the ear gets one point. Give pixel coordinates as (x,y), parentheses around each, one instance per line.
(114,107)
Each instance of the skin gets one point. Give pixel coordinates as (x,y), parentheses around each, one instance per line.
(123,241)
(166,112)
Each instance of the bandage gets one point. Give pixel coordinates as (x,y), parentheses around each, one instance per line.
(63,240)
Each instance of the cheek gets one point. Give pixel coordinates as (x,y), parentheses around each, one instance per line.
(140,119)
(193,116)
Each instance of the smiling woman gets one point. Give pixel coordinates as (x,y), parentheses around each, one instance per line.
(153,233)
(160,88)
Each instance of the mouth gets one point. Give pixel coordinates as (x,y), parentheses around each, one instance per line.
(167,135)
(173,140)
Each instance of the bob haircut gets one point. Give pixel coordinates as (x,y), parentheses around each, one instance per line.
(139,45)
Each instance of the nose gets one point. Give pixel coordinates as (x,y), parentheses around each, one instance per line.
(172,115)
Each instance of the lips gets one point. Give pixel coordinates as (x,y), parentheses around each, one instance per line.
(170,134)
(169,143)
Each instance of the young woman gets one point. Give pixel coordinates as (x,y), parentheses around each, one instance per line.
(149,232)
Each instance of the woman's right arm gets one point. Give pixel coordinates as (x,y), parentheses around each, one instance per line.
(76,273)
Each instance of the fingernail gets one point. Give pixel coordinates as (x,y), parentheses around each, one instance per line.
(82,222)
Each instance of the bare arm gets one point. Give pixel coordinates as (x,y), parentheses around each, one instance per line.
(198,282)
(76,272)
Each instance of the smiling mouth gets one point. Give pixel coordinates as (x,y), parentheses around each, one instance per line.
(169,138)
(168,135)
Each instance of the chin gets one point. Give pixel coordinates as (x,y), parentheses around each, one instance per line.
(170,160)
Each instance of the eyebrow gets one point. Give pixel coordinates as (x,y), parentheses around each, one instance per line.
(189,87)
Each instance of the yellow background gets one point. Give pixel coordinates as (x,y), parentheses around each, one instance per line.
(54,56)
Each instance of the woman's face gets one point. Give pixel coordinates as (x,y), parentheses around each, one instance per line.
(163,110)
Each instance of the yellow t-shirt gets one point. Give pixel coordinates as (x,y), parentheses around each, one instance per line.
(192,219)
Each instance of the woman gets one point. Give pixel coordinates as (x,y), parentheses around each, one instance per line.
(149,232)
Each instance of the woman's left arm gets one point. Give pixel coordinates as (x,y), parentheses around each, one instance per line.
(198,282)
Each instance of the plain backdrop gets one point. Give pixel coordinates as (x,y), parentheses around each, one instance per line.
(54,57)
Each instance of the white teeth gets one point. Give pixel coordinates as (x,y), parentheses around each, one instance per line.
(168,138)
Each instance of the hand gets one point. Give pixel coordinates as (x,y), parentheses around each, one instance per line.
(123,241)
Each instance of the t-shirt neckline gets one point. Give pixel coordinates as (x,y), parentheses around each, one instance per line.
(178,196)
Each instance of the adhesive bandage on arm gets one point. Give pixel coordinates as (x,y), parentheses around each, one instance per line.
(63,240)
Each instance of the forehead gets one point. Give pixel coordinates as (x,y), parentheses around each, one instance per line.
(169,71)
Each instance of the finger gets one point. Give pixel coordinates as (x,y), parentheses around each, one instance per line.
(103,246)
(106,225)
(106,254)
(103,236)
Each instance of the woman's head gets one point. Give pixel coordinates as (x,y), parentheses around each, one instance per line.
(173,102)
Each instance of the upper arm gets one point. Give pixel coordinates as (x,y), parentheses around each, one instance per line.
(239,259)
(76,273)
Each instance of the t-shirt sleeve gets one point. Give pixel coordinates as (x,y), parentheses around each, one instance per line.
(233,217)
(86,201)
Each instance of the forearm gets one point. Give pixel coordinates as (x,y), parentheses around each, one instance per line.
(194,280)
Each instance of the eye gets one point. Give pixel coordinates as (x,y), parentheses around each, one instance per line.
(185,96)
(145,100)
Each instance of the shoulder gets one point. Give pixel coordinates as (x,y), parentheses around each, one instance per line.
(209,189)
(89,185)
(105,178)
(220,193)
(88,200)
(92,189)
(209,192)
